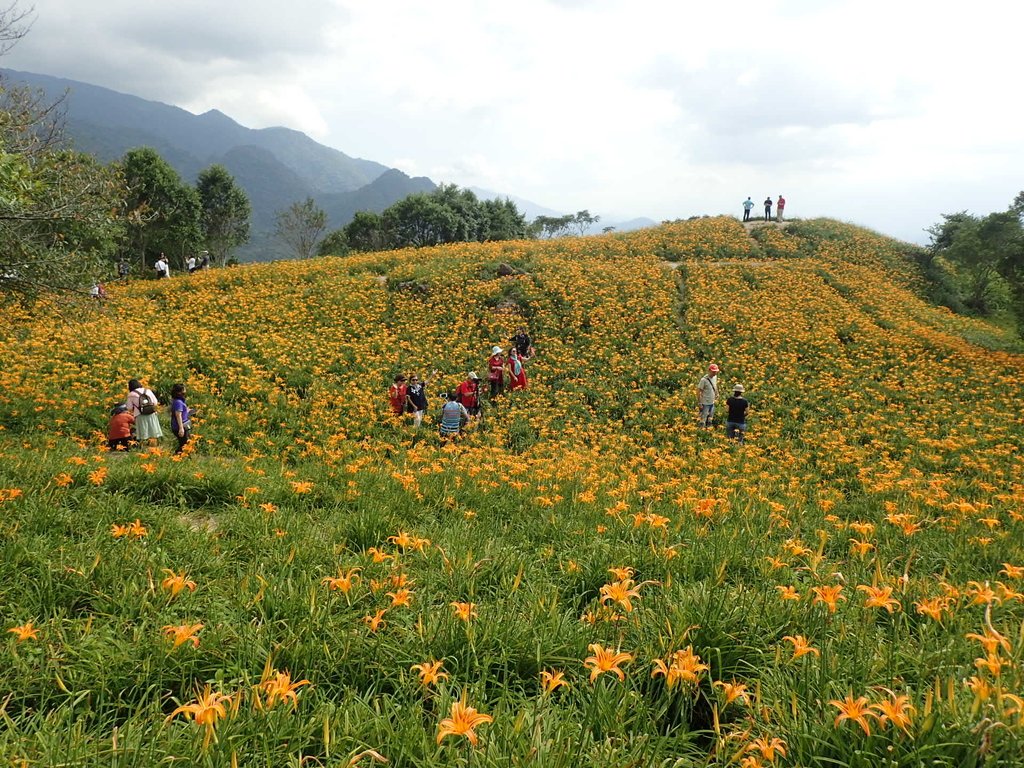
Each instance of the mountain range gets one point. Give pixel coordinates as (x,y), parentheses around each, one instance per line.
(275,166)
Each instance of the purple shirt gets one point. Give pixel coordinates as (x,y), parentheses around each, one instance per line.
(179,406)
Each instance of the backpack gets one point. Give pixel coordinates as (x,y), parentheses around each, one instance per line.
(147,404)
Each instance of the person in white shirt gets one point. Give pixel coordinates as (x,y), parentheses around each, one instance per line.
(162,268)
(707,394)
(191,264)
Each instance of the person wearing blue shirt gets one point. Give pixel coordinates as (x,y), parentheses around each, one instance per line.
(748,206)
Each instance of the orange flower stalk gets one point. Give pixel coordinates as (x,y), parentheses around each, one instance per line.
(205,711)
(430,672)
(787,592)
(800,646)
(552,681)
(344,581)
(622,592)
(896,710)
(176,582)
(462,722)
(733,691)
(768,748)
(684,666)
(828,596)
(465,611)
(400,597)
(855,710)
(280,688)
(183,633)
(26,631)
(605,661)
(879,597)
(376,621)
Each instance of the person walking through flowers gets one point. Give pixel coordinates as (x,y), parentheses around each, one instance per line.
(736,421)
(417,397)
(496,371)
(707,394)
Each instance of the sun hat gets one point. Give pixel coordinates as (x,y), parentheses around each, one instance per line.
(738,388)
(712,368)
(496,350)
(472,375)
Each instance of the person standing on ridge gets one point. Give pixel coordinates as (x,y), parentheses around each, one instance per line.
(736,421)
(768,208)
(707,393)
(779,206)
(748,206)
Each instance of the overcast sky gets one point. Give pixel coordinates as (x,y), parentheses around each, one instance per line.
(884,113)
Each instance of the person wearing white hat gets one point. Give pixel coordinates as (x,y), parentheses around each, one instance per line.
(496,371)
(707,394)
(736,421)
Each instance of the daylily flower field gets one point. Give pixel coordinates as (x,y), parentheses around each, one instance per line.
(585,579)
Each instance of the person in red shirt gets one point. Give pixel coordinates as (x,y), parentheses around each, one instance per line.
(119,429)
(468,393)
(516,371)
(397,395)
(496,371)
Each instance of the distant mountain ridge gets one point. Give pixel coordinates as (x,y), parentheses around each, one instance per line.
(275,166)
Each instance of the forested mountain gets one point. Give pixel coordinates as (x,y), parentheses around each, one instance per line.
(275,166)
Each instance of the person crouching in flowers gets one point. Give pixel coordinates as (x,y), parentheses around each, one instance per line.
(181,424)
(397,395)
(736,421)
(119,429)
(453,416)
(516,371)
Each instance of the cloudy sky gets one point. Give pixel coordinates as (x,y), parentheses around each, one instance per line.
(885,113)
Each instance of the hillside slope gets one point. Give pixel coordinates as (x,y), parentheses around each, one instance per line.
(866,541)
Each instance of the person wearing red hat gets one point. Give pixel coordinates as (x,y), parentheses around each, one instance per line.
(707,393)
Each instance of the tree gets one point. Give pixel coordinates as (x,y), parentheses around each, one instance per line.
(365,232)
(502,221)
(225,212)
(60,210)
(334,244)
(582,221)
(553,226)
(163,212)
(419,220)
(988,255)
(300,227)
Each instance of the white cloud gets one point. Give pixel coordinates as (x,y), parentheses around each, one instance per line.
(655,108)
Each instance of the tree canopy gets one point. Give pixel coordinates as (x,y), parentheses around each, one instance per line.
(224,212)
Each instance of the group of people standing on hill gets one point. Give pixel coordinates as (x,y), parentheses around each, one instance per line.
(136,421)
(780,207)
(464,402)
(707,396)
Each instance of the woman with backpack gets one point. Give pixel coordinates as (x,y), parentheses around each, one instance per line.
(142,405)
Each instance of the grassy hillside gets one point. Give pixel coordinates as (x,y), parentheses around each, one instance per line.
(844,587)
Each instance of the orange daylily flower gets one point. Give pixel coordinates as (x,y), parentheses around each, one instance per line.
(800,646)
(551,681)
(176,582)
(462,721)
(855,710)
(828,596)
(26,631)
(280,688)
(430,672)
(184,633)
(605,661)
